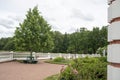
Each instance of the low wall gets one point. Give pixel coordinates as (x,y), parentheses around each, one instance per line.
(8,56)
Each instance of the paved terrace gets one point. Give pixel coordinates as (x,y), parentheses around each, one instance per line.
(20,71)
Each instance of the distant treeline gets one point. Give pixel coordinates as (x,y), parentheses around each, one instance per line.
(81,41)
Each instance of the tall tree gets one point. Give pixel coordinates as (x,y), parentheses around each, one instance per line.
(7,44)
(34,33)
(103,35)
(65,43)
(3,42)
(94,39)
(57,38)
(83,40)
(73,43)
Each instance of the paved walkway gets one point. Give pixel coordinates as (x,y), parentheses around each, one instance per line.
(20,71)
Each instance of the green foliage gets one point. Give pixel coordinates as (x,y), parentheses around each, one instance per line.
(7,44)
(87,68)
(100,50)
(57,39)
(68,75)
(82,41)
(59,59)
(97,38)
(34,33)
(65,43)
(53,77)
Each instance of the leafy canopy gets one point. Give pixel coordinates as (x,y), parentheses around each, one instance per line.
(34,33)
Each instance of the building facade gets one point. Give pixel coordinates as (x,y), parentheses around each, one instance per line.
(113,72)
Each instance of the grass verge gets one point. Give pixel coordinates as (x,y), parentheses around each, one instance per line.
(53,77)
(62,62)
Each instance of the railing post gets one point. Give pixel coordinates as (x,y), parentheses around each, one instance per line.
(69,55)
(60,55)
(49,56)
(11,55)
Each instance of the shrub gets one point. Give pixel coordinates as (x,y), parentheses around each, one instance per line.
(59,59)
(88,69)
(101,49)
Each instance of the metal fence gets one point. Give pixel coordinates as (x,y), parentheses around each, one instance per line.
(8,56)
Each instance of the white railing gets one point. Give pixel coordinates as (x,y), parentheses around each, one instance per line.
(8,56)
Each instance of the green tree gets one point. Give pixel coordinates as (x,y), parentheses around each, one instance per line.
(97,38)
(103,35)
(7,44)
(65,43)
(3,41)
(94,39)
(34,33)
(79,41)
(57,38)
(83,40)
(72,43)
(86,41)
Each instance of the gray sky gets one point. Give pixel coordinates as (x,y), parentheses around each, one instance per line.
(62,15)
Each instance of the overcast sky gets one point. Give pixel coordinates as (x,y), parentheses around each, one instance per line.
(62,15)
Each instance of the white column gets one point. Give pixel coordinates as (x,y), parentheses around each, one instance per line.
(113,56)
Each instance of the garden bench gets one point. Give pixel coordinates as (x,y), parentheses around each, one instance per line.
(30,59)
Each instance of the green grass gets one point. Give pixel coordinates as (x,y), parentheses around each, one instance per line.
(59,60)
(64,62)
(53,77)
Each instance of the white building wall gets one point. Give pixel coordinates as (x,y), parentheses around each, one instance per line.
(113,73)
(114,10)
(115,26)
(109,13)
(109,34)
(114,53)
(114,31)
(109,55)
(113,56)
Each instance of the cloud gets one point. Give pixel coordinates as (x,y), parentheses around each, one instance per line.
(10,21)
(63,15)
(49,19)
(98,2)
(72,29)
(6,23)
(76,13)
(6,32)
(16,18)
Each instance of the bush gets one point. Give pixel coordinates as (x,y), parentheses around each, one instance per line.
(100,50)
(87,68)
(59,59)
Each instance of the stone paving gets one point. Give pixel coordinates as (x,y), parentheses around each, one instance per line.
(19,71)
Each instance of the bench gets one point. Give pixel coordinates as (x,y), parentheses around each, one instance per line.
(30,59)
